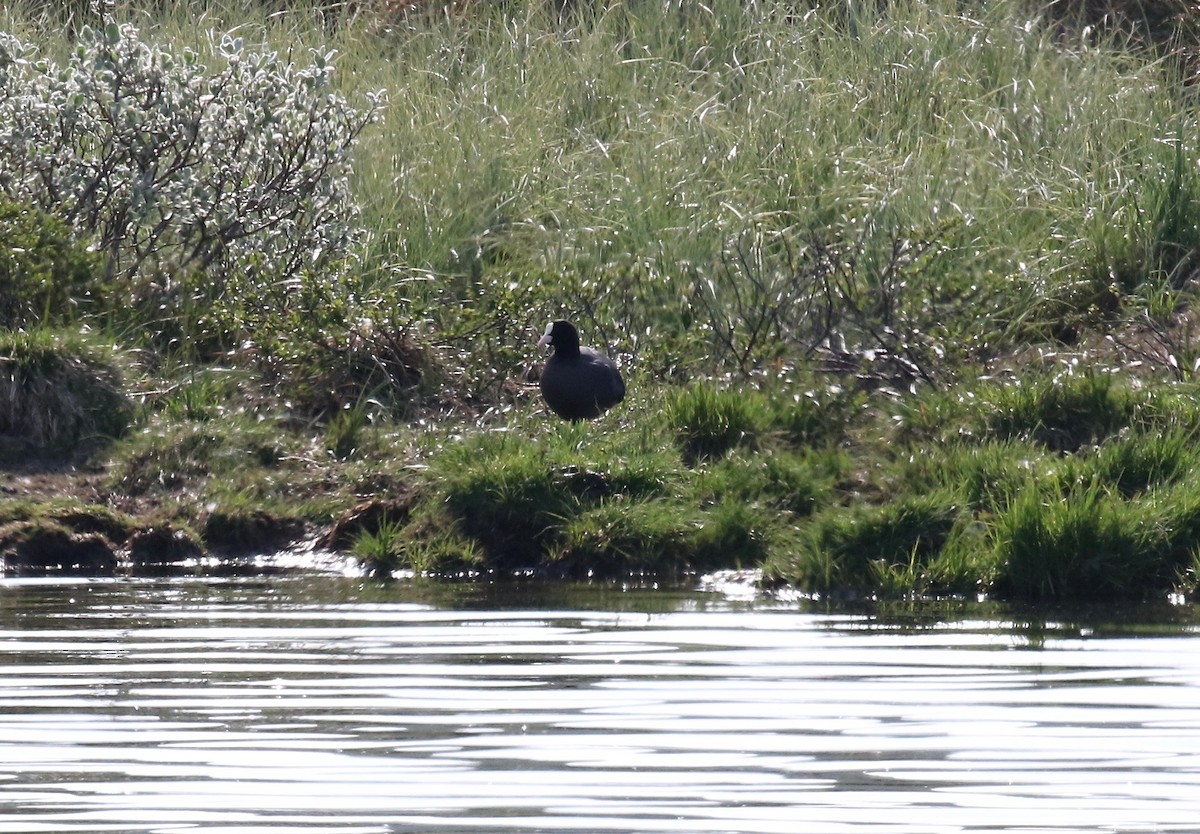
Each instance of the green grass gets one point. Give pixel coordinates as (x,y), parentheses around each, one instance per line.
(722,187)
(621,537)
(59,393)
(1063,413)
(903,293)
(708,422)
(1135,464)
(781,481)
(1085,544)
(860,551)
(381,550)
(163,459)
(800,135)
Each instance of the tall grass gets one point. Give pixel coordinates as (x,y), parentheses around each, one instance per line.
(1084,544)
(58,393)
(613,166)
(708,422)
(728,185)
(868,549)
(897,194)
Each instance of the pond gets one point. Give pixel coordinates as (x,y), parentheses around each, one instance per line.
(331,704)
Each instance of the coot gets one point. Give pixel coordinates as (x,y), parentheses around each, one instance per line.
(578,383)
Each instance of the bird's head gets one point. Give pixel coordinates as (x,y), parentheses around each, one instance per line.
(562,336)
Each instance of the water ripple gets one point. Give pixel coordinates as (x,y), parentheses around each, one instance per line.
(178,706)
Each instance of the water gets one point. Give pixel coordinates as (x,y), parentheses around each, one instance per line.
(331,705)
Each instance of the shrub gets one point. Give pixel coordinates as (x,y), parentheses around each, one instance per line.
(237,172)
(323,361)
(44,271)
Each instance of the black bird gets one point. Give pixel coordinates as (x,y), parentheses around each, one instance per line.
(578,383)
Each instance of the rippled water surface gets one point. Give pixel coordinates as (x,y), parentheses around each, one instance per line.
(331,705)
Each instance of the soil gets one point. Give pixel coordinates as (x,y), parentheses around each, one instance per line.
(75,511)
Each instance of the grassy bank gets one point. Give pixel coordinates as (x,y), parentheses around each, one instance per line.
(903,294)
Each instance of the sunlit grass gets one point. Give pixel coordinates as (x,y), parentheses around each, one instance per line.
(942,180)
(863,550)
(59,392)
(835,226)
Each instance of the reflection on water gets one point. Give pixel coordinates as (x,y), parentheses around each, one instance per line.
(328,705)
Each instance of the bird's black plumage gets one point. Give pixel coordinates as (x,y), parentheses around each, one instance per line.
(578,383)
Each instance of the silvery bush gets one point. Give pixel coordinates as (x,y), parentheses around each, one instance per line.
(236,172)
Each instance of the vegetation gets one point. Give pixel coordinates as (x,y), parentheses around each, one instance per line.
(57,394)
(904,291)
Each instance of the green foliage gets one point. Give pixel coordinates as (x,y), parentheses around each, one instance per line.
(432,547)
(321,361)
(985,475)
(174,455)
(718,210)
(343,434)
(514,494)
(1081,544)
(506,495)
(1064,412)
(578,503)
(1136,463)
(45,275)
(199,393)
(214,180)
(886,202)
(72,513)
(816,417)
(380,549)
(780,480)
(1168,409)
(860,549)
(934,414)
(709,421)
(1175,514)
(1148,236)
(619,537)
(730,533)
(658,536)
(674,177)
